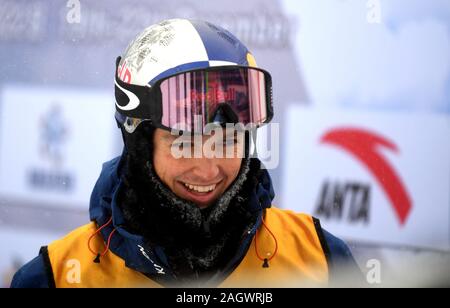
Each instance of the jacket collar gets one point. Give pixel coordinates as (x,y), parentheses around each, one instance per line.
(151,261)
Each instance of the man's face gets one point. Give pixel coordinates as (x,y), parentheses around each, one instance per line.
(200,180)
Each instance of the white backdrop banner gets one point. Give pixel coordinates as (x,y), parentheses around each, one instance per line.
(374,177)
(53,142)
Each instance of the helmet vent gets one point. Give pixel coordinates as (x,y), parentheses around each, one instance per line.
(227,38)
(222,34)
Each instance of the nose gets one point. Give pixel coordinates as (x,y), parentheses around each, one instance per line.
(206,170)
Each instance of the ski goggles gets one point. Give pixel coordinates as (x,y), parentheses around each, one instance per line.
(190,100)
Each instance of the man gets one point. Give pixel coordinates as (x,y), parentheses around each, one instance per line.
(168,214)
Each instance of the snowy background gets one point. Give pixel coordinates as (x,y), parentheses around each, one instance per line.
(347,59)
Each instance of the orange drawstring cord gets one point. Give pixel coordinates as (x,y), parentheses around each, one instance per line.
(265,260)
(98,255)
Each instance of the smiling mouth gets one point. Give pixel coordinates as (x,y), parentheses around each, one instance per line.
(202,195)
(203,189)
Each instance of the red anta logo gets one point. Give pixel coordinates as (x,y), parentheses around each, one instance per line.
(365,146)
